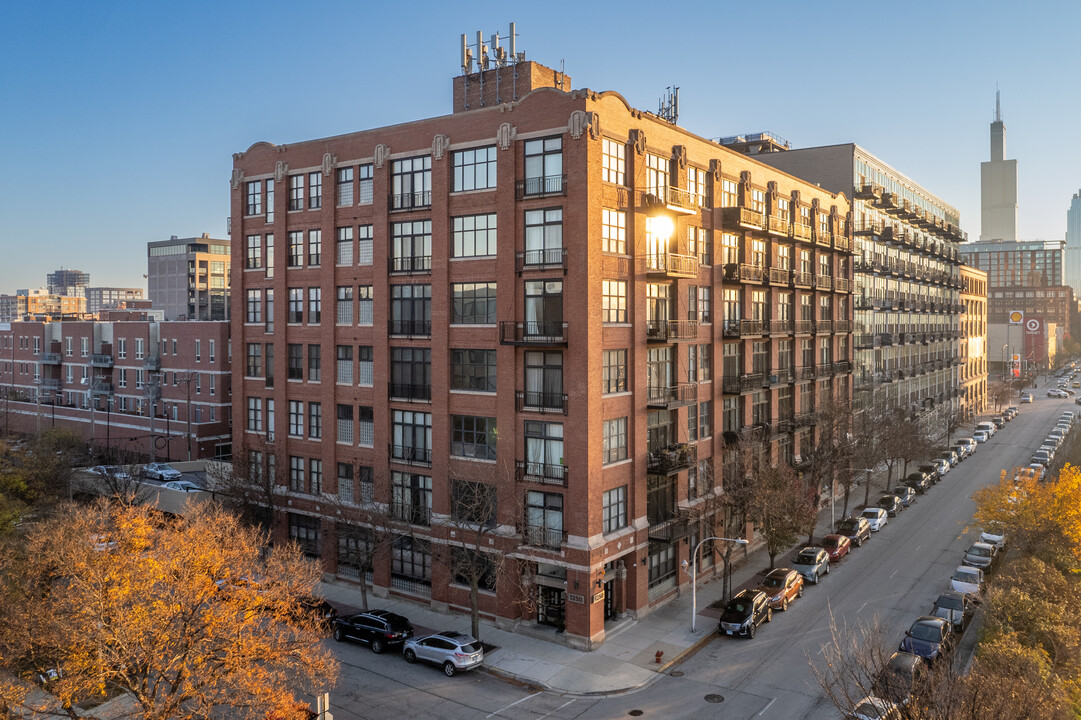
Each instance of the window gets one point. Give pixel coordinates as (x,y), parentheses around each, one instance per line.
(411,558)
(544,307)
(544,237)
(296,192)
(411,183)
(613,231)
(705,418)
(544,166)
(366,426)
(614,372)
(345,424)
(662,562)
(729,249)
(758,201)
(692,424)
(315,476)
(296,305)
(364,370)
(254,368)
(705,363)
(700,242)
(296,418)
(296,249)
(315,363)
(656,175)
(615,509)
(411,498)
(315,247)
(760,407)
(364,305)
(474,169)
(473,370)
(692,363)
(544,380)
(544,519)
(345,186)
(346,488)
(410,309)
(411,373)
(411,247)
(315,305)
(615,440)
(296,362)
(212,350)
(411,437)
(315,190)
(305,531)
(544,450)
(731,419)
(613,161)
(345,364)
(344,246)
(364,245)
(254,204)
(255,414)
(705,304)
(729,193)
(696,185)
(255,252)
(365,178)
(473,502)
(474,236)
(269,311)
(473,304)
(472,437)
(315,421)
(270,200)
(613,301)
(344,314)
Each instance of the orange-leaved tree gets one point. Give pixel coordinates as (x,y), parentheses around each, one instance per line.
(190,617)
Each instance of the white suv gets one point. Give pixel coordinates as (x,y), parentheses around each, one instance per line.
(453,651)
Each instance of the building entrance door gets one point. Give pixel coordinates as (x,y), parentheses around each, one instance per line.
(552,607)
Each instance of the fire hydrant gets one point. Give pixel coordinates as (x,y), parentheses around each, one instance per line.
(657,657)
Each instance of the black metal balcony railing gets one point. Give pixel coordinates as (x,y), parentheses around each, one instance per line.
(533,333)
(801,232)
(823,326)
(672,265)
(540,259)
(412,514)
(50,359)
(102,388)
(672,397)
(730,385)
(103,361)
(802,279)
(542,402)
(668,330)
(540,472)
(544,537)
(409,391)
(779,276)
(842,367)
(410,328)
(672,459)
(807,372)
(782,376)
(823,282)
(410,264)
(50,384)
(669,529)
(780,326)
(420,200)
(751,273)
(411,455)
(541,186)
(841,284)
(777,226)
(742,216)
(751,327)
(750,381)
(803,327)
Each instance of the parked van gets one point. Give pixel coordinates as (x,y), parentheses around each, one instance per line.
(987,427)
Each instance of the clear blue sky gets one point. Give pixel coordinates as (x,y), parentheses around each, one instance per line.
(119,119)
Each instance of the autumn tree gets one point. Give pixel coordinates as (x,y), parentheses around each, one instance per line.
(191,618)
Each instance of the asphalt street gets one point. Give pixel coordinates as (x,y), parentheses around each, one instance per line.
(894,577)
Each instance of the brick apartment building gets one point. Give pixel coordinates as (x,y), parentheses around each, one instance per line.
(973,350)
(556,295)
(99,378)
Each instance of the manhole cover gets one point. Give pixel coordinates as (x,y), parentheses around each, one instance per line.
(676,673)
(714,698)
(635,713)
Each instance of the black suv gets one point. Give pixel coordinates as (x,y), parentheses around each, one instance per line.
(931,470)
(378,628)
(745,612)
(856,529)
(918,481)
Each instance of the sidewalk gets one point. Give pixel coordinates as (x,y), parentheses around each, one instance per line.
(626,659)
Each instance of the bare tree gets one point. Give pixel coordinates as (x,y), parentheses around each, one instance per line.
(870,430)
(365,527)
(250,485)
(780,507)
(999,392)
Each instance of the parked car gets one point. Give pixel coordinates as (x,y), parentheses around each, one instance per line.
(837,546)
(942,467)
(993,534)
(1026,398)
(745,612)
(949,456)
(1041,457)
(182,486)
(451,650)
(999,421)
(982,555)
(897,681)
(919,482)
(874,708)
(379,628)
(905,494)
(877,517)
(161,471)
(782,586)
(968,580)
(931,469)
(1056,393)
(928,637)
(954,607)
(856,529)
(318,608)
(969,442)
(812,563)
(891,504)
(111,471)
(961,449)
(988,426)
(981,436)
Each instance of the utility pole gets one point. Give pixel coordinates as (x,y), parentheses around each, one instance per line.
(153,394)
(187,377)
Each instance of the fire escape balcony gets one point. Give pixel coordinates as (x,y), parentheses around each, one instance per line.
(733,217)
(540,473)
(841,285)
(50,359)
(825,239)
(777,226)
(867,191)
(671,330)
(823,282)
(672,265)
(533,333)
(751,273)
(801,232)
(101,361)
(541,402)
(667,398)
(546,186)
(671,460)
(802,279)
(779,276)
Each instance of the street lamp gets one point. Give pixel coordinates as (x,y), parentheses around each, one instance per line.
(1002,357)
(694,574)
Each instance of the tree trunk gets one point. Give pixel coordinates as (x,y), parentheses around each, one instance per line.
(848,491)
(474,606)
(363,591)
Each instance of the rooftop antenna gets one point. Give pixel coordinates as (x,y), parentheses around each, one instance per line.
(489,56)
(998,107)
(668,106)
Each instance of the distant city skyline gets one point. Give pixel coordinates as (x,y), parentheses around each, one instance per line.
(125,116)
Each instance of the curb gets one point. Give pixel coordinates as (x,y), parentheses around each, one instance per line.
(515,679)
(687,653)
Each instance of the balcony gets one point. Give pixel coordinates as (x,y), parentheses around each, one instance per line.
(153,364)
(823,326)
(101,361)
(410,328)
(802,279)
(750,381)
(733,217)
(667,398)
(868,227)
(412,514)
(807,372)
(782,376)
(671,460)
(801,232)
(823,238)
(842,368)
(540,473)
(546,259)
(823,370)
(805,419)
(823,282)
(421,200)
(842,326)
(888,201)
(670,529)
(751,327)
(541,402)
(410,265)
(669,330)
(101,388)
(672,265)
(50,359)
(533,333)
(777,226)
(841,285)
(541,186)
(543,537)
(867,191)
(409,391)
(751,273)
(779,276)
(683,201)
(842,243)
(804,327)
(50,384)
(780,327)
(411,455)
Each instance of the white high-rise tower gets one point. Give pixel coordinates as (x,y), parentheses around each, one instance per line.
(1072,264)
(998,184)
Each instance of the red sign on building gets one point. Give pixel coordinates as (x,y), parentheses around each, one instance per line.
(1035,340)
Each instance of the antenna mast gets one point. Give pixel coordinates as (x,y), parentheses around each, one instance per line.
(487,55)
(668,105)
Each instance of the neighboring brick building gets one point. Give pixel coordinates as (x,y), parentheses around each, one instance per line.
(188,278)
(974,350)
(570,300)
(96,378)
